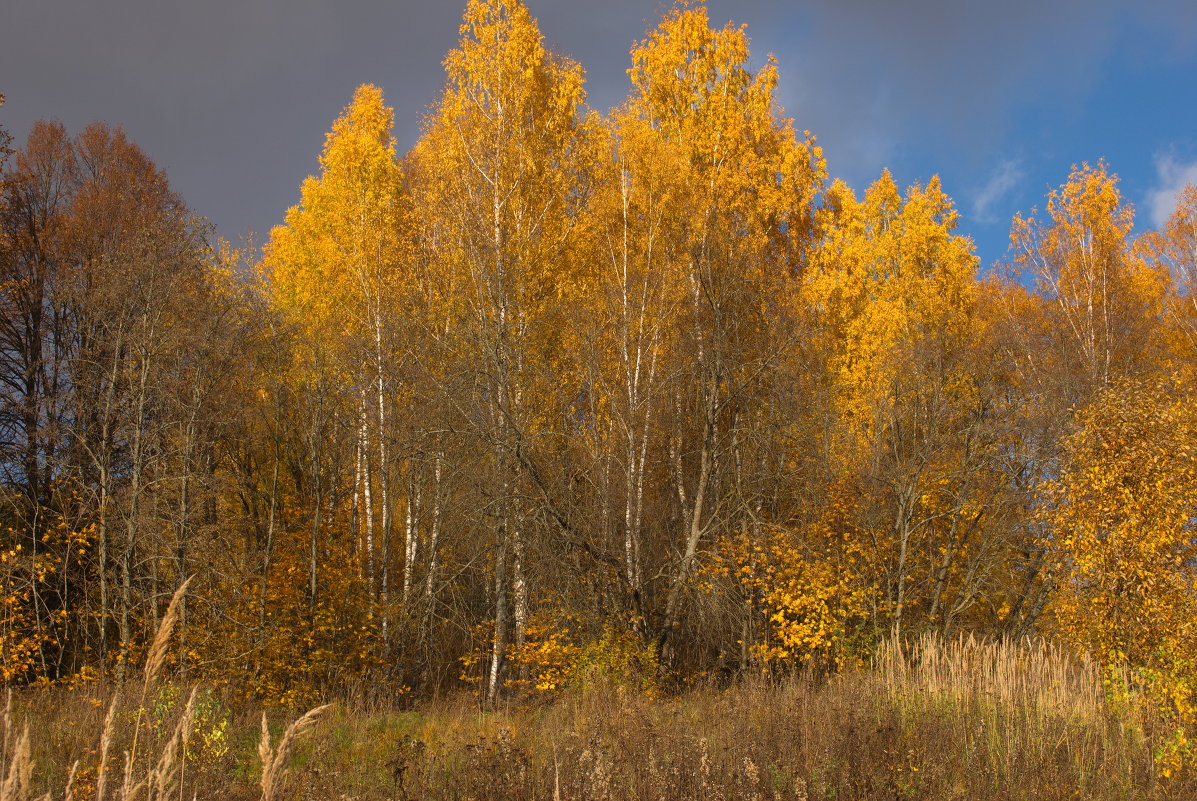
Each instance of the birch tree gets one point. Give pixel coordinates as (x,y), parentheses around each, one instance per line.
(503,162)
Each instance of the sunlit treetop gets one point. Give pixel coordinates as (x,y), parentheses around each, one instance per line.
(1082,259)
(693,88)
(342,240)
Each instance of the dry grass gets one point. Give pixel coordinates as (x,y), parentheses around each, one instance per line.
(152,778)
(274,760)
(959,720)
(1034,675)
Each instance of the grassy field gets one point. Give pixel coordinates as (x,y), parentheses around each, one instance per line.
(958,721)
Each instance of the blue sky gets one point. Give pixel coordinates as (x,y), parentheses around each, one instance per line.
(233,97)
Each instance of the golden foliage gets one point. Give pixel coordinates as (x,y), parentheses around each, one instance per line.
(293,654)
(27,576)
(890,279)
(562,651)
(1122,523)
(806,585)
(339,251)
(1104,296)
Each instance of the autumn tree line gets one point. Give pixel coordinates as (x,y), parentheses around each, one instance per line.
(645,395)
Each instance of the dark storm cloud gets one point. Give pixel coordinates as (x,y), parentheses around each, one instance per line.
(233,97)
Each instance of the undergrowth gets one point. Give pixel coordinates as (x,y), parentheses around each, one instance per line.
(961,720)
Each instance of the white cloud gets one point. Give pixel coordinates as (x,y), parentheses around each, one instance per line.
(1172,176)
(1005,177)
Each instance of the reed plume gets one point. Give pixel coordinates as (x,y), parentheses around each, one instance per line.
(274,760)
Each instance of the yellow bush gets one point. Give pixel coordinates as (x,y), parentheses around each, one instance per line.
(809,600)
(1123,524)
